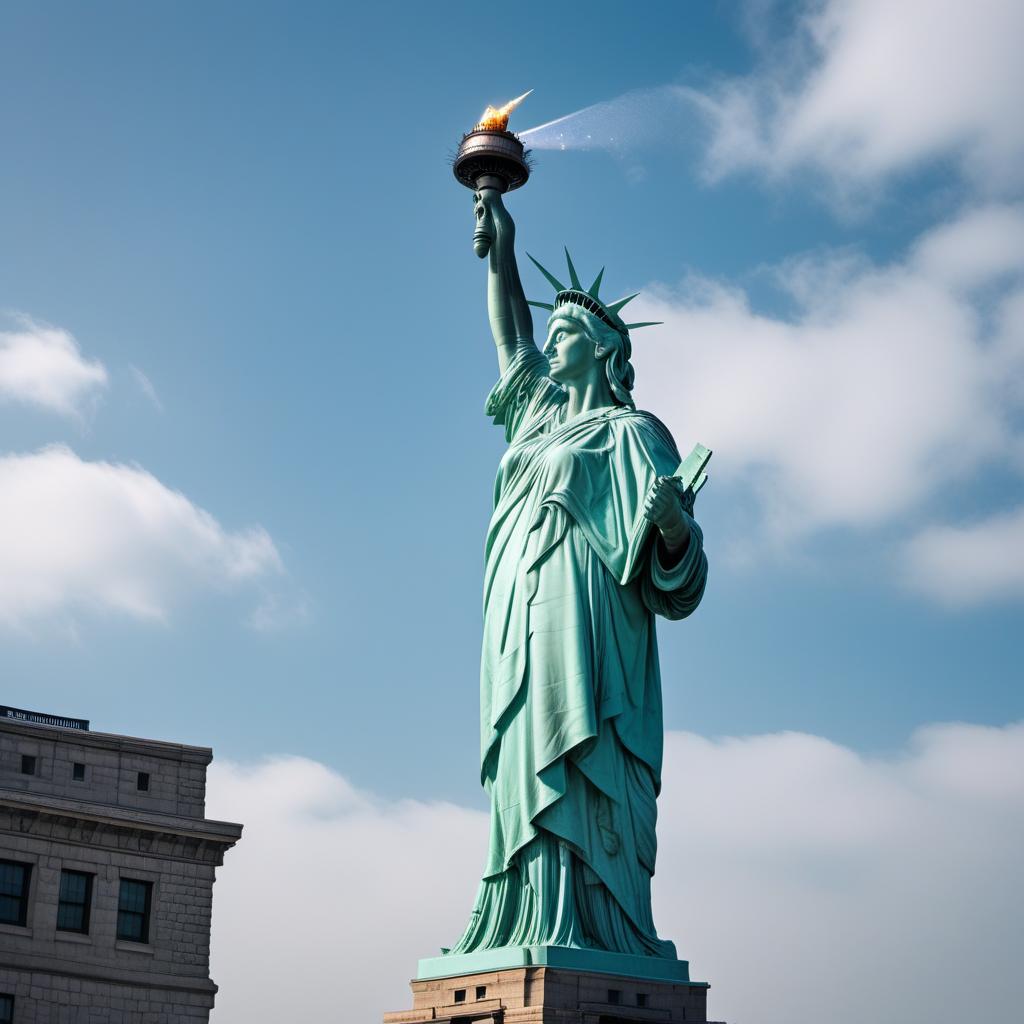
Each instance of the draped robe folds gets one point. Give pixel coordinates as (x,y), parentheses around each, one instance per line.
(571,714)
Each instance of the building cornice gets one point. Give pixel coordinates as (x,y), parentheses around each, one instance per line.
(99,826)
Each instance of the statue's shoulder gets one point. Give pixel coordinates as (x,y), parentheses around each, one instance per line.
(648,430)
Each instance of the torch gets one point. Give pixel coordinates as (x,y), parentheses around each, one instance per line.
(490,156)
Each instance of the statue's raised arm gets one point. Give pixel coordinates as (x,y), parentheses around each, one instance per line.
(494,238)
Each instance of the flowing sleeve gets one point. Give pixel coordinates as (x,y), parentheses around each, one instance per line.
(525,394)
(676,592)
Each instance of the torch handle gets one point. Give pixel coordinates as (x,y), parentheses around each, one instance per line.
(491,181)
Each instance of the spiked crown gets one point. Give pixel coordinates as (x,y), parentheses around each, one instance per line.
(588,298)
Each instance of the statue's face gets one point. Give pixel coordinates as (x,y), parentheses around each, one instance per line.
(570,350)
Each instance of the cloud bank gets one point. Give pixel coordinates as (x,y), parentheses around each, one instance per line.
(79,536)
(864,89)
(882,386)
(804,881)
(42,366)
(856,91)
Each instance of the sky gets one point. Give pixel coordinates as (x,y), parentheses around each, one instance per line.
(245,473)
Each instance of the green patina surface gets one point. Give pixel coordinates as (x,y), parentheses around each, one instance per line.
(592,536)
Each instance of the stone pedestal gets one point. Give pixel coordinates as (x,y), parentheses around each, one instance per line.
(552,995)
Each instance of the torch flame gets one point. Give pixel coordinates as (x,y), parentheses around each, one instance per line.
(495,119)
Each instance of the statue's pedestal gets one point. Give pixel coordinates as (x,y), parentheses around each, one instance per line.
(544,992)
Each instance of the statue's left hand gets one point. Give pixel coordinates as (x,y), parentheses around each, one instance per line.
(664,507)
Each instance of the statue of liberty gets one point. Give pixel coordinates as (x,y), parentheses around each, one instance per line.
(592,535)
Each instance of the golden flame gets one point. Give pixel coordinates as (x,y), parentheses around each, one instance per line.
(495,119)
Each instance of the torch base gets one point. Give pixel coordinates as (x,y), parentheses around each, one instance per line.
(495,155)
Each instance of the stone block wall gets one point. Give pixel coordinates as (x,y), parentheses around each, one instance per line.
(65,999)
(112,831)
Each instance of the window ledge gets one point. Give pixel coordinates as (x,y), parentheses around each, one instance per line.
(60,935)
(16,929)
(135,947)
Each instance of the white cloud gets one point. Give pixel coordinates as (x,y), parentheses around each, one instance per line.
(984,245)
(351,890)
(885,384)
(804,881)
(868,88)
(43,366)
(99,536)
(969,564)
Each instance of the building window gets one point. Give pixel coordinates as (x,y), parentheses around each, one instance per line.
(6,1009)
(28,764)
(481,991)
(75,900)
(133,910)
(615,996)
(460,995)
(78,772)
(14,881)
(143,781)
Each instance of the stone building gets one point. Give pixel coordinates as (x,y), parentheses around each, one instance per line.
(107,865)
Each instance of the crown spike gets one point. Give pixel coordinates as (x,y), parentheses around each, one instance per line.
(573,276)
(645,323)
(614,307)
(596,286)
(540,305)
(552,280)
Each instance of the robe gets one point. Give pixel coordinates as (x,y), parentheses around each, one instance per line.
(570,688)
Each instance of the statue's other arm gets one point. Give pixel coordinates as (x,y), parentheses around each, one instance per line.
(679,568)
(494,237)
(674,582)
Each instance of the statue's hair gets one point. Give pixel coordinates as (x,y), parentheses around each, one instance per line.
(616,347)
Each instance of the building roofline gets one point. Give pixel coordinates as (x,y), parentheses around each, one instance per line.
(110,741)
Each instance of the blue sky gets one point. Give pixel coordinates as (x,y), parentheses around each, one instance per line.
(245,473)
(245,224)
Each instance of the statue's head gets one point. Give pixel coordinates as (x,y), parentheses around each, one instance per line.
(577,339)
(582,329)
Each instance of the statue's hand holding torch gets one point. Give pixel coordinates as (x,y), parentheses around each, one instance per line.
(491,160)
(494,227)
